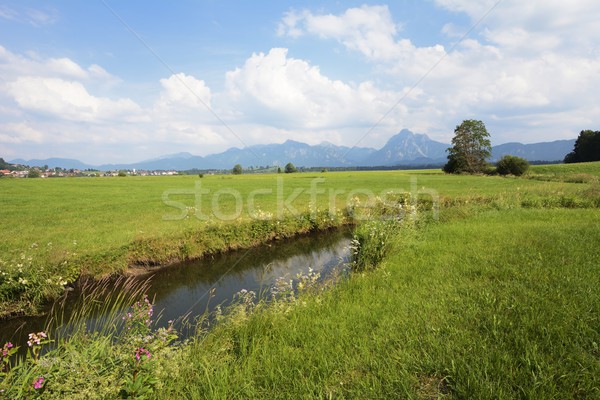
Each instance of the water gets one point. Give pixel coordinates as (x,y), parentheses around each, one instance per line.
(183,289)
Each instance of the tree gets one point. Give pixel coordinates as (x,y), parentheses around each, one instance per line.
(290,168)
(33,173)
(512,165)
(587,148)
(237,169)
(5,165)
(471,147)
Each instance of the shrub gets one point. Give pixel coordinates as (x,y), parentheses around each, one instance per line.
(290,168)
(512,165)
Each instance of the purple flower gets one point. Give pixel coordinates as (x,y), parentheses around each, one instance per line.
(6,348)
(38,383)
(141,351)
(36,338)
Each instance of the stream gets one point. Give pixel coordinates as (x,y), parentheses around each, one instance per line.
(183,289)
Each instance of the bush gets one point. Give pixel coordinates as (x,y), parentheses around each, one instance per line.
(512,165)
(290,168)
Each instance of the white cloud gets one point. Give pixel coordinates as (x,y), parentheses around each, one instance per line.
(531,59)
(535,26)
(70,100)
(182,113)
(368,29)
(16,133)
(182,90)
(14,65)
(529,70)
(289,92)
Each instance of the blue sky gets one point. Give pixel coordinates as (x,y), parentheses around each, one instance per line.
(123,81)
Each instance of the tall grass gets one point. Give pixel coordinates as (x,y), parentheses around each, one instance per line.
(105,346)
(500,305)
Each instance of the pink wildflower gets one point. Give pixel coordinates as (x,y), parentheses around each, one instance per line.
(142,351)
(38,383)
(36,338)
(5,349)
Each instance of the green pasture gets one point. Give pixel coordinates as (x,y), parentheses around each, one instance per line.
(102,215)
(55,230)
(494,297)
(485,303)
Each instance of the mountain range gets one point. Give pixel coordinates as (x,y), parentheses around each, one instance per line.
(403,149)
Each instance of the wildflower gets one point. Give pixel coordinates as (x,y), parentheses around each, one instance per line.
(6,348)
(38,383)
(142,351)
(36,338)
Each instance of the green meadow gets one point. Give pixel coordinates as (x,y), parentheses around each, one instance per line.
(57,230)
(487,288)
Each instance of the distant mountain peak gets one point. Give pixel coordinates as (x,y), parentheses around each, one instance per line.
(404,148)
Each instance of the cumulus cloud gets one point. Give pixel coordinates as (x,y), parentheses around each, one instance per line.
(31,64)
(525,58)
(534,28)
(181,90)
(52,100)
(368,29)
(70,100)
(290,92)
(529,70)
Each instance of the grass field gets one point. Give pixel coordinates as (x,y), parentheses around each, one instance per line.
(101,226)
(496,298)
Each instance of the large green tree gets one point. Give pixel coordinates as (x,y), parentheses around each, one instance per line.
(471,147)
(587,148)
(237,169)
(290,168)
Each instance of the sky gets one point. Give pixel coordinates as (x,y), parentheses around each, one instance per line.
(107,81)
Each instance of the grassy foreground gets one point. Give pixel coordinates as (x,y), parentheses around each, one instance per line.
(496,299)
(498,305)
